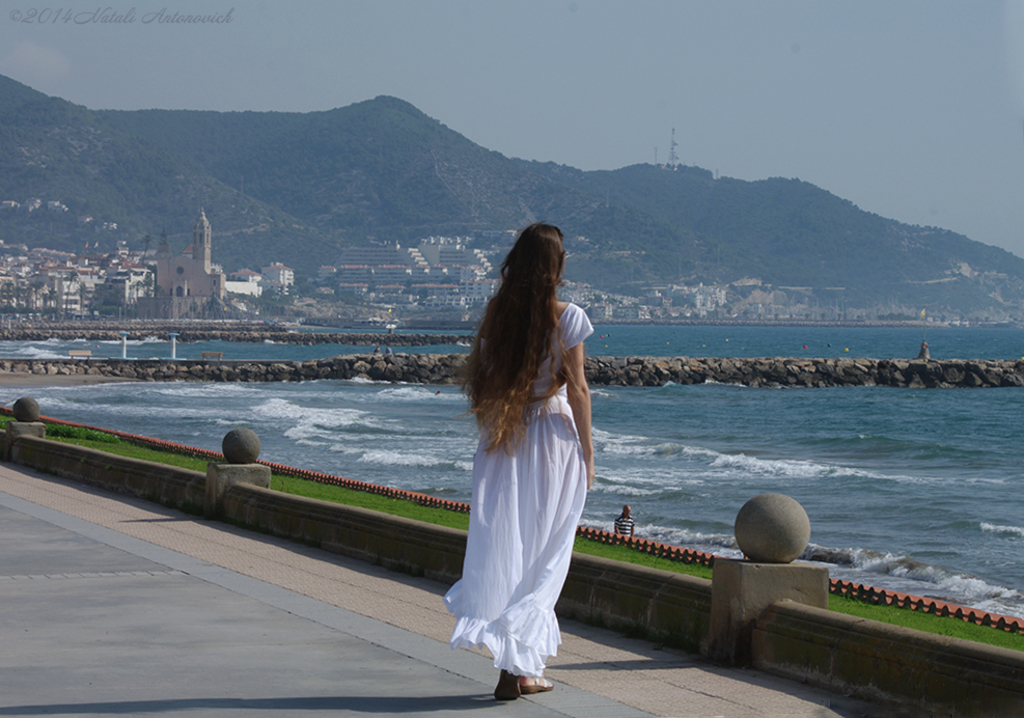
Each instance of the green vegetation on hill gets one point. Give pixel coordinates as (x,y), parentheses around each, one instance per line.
(51,149)
(791,233)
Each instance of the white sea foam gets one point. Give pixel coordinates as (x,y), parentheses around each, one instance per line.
(1003,530)
(391,457)
(414,393)
(623,489)
(193,390)
(639,446)
(903,573)
(130,342)
(345,448)
(316,423)
(772,467)
(36,352)
(637,475)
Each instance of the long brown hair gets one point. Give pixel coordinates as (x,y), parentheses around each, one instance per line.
(516,336)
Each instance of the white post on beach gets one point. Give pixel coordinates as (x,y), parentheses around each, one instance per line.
(174,345)
(124,345)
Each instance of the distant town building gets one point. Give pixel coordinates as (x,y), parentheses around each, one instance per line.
(452,251)
(478,290)
(279,274)
(354,287)
(190,273)
(245,281)
(188,281)
(380,255)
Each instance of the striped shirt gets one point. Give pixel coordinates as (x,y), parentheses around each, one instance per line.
(624,525)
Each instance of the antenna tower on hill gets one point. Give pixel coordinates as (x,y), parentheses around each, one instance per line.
(673,158)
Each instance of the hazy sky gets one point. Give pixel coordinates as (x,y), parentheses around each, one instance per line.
(912,110)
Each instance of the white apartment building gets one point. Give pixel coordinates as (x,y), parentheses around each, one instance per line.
(355,273)
(452,251)
(478,290)
(392,274)
(280,274)
(245,281)
(382,255)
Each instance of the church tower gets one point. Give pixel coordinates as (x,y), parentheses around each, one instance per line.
(202,241)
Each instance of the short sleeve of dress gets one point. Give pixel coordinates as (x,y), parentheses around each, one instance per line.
(575,326)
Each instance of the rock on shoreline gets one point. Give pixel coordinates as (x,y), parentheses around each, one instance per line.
(609,371)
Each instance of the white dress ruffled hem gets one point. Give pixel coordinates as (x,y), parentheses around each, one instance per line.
(525,509)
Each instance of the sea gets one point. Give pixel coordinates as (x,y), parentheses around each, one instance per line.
(915,490)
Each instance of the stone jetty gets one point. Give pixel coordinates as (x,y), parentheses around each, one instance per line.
(609,371)
(187,335)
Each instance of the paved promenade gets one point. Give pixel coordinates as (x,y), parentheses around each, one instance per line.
(114,606)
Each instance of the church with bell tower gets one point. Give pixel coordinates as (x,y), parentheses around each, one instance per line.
(188,280)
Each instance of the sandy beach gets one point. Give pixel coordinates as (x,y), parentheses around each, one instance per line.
(9,379)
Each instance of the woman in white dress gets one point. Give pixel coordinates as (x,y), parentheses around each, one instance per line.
(535,461)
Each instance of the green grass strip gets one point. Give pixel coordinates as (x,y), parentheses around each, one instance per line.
(896,616)
(628,554)
(927,622)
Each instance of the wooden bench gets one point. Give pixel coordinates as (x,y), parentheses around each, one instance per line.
(212,355)
(79,353)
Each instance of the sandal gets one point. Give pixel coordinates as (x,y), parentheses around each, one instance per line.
(508,688)
(534,685)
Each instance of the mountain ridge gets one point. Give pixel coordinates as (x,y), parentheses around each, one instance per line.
(299,187)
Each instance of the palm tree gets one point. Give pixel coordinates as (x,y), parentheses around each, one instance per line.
(7,293)
(147,285)
(35,290)
(51,300)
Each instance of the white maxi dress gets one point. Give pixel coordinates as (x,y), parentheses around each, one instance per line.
(525,509)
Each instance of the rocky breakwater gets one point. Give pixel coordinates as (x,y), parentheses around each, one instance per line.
(411,368)
(246,336)
(617,371)
(782,372)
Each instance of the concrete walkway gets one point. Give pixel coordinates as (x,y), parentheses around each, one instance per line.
(114,606)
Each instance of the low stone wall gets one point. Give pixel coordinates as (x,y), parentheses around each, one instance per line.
(938,675)
(667,607)
(934,674)
(398,543)
(617,371)
(160,483)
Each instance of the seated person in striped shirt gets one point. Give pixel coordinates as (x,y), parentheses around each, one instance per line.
(625,524)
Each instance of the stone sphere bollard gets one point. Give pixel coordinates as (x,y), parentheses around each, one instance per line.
(26,409)
(772,528)
(241,446)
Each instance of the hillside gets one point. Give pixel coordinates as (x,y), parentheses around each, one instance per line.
(54,150)
(789,232)
(298,187)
